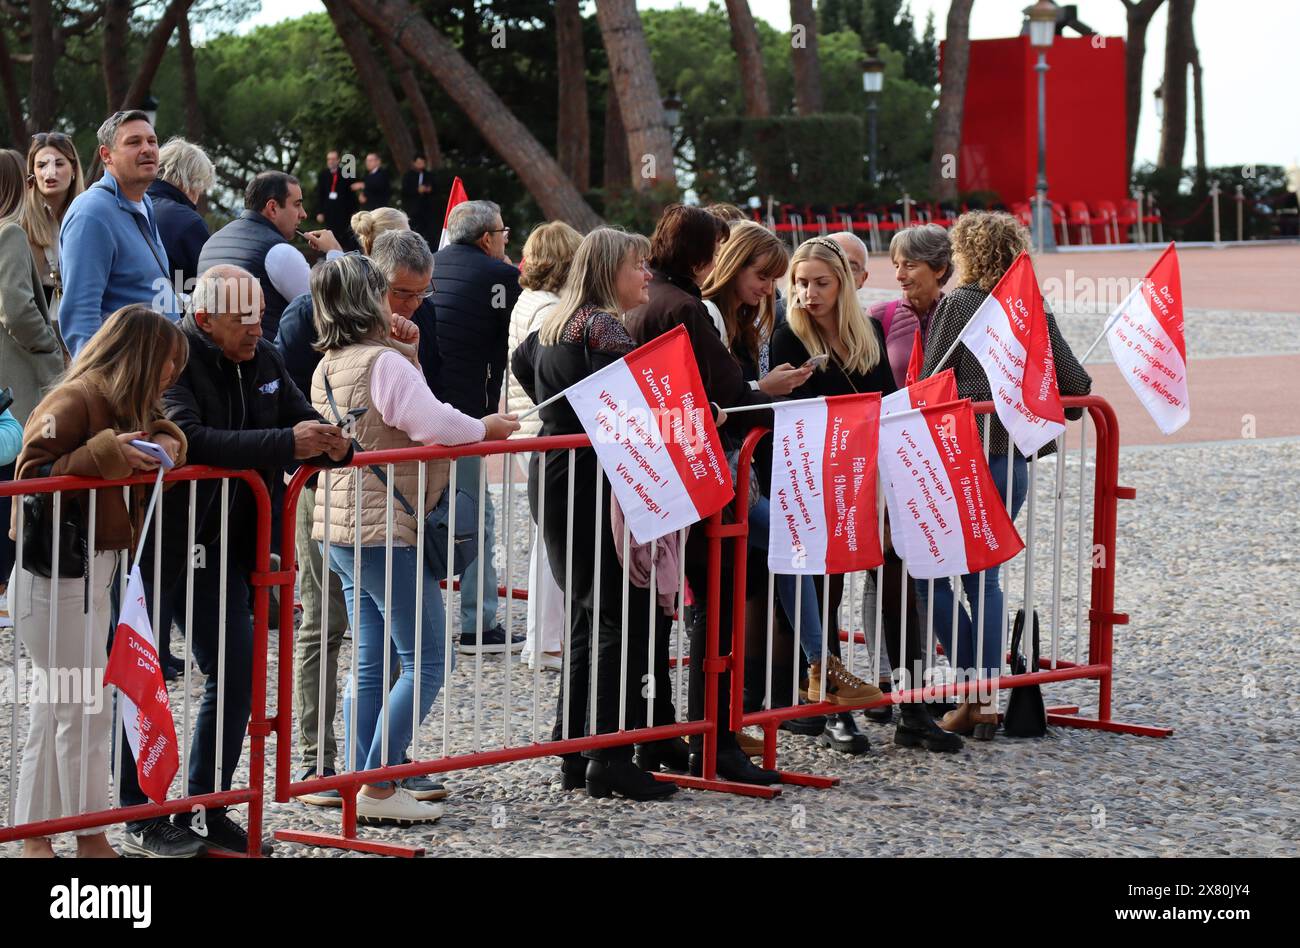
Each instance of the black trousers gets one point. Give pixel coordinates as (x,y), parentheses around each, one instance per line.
(237,704)
(893,606)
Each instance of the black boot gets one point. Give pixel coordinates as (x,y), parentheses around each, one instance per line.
(573,772)
(805,727)
(917,728)
(672,755)
(733,765)
(884,713)
(623,777)
(842,734)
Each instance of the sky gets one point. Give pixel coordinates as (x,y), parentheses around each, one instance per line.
(1248,58)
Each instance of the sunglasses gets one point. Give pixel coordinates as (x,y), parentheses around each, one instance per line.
(51,138)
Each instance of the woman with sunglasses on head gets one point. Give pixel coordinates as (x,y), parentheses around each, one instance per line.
(54,178)
(825,321)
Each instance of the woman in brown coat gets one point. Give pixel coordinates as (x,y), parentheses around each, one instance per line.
(83,428)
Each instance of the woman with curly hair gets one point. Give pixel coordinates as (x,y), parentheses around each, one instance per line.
(984,245)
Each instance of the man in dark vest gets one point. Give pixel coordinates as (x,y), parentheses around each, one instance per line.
(475,288)
(258,240)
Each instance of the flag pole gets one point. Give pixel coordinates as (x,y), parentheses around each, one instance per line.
(148,516)
(770,405)
(540,405)
(1105,329)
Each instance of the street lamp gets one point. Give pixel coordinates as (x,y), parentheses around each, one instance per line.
(1042,30)
(873,81)
(149,106)
(672,110)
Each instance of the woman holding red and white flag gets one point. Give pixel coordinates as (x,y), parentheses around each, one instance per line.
(582,334)
(825,322)
(985,244)
(84,428)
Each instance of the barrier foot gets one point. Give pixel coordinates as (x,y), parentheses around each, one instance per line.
(356,845)
(808,780)
(1064,709)
(721,786)
(1115,727)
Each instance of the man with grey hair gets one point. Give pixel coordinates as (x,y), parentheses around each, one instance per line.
(109,243)
(475,290)
(856,251)
(185,174)
(239,409)
(404,257)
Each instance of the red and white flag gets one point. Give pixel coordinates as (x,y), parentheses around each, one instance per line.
(457,196)
(650,423)
(1008,334)
(1146,338)
(146,714)
(823,496)
(916,361)
(940,387)
(945,515)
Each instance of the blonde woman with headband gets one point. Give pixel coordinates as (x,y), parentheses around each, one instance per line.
(825,323)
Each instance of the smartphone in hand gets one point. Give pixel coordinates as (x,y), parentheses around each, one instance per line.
(155,451)
(816,362)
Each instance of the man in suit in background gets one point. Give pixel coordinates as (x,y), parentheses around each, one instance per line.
(417,199)
(336,202)
(375,191)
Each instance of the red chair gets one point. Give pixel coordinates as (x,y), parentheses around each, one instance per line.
(1110,216)
(1128,218)
(1084,220)
(1060,219)
(1020,211)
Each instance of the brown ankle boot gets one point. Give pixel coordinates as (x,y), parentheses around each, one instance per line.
(842,686)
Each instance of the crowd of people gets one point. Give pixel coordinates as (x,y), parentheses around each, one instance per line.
(125,319)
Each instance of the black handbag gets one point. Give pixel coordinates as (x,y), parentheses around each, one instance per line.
(1026,715)
(38,535)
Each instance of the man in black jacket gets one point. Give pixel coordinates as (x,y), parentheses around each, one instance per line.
(375,191)
(417,199)
(475,288)
(239,409)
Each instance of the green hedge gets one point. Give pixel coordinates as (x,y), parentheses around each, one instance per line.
(800,159)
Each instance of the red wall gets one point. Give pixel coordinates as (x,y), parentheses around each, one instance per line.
(1085,120)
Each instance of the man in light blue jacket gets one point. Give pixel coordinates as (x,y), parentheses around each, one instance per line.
(109,243)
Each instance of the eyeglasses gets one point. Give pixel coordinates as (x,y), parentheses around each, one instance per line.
(500,230)
(406,295)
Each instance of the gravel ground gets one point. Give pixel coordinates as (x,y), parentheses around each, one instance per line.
(1211,650)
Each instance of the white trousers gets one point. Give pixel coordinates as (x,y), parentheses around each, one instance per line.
(545,601)
(64,768)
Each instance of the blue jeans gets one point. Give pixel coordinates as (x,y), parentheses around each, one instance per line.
(810,621)
(472,598)
(964,656)
(367,690)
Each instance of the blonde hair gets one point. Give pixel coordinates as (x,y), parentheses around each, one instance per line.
(984,245)
(39,220)
(186,165)
(593,278)
(11,185)
(349,298)
(368,225)
(548,253)
(750,244)
(856,335)
(124,361)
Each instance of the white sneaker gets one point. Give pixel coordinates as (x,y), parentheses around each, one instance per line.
(401,807)
(552,663)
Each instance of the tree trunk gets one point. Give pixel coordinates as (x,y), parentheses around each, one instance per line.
(373,78)
(1178,57)
(803,57)
(154,49)
(190,84)
(415,100)
(573,130)
(113,61)
(42,91)
(618,166)
(749,57)
(504,133)
(1198,112)
(13,103)
(1139,16)
(952,102)
(631,72)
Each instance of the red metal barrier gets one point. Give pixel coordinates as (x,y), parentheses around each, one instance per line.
(1102,616)
(258,727)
